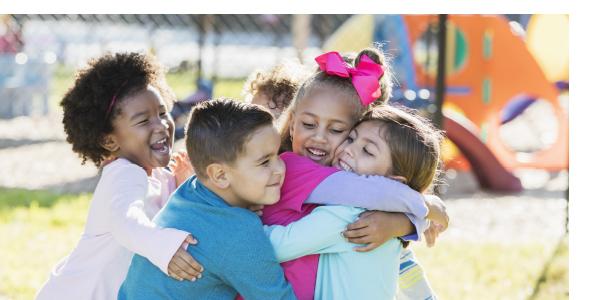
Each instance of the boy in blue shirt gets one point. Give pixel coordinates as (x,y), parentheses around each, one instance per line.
(233,149)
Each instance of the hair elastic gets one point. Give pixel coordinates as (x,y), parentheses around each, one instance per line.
(113,100)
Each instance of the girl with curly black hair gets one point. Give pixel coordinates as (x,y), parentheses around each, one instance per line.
(116,115)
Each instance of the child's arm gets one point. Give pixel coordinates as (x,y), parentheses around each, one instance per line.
(318,232)
(131,227)
(370,192)
(375,228)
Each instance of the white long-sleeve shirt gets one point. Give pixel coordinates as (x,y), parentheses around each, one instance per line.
(118,225)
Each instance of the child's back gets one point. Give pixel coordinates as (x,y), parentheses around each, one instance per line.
(371,269)
(236,240)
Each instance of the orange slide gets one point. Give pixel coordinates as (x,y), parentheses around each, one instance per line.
(488,66)
(490,173)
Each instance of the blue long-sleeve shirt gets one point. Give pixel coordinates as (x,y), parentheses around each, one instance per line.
(236,254)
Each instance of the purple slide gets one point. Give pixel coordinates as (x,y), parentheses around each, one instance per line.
(486,167)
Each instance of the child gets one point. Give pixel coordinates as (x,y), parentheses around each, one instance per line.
(116,115)
(275,88)
(233,149)
(319,119)
(387,142)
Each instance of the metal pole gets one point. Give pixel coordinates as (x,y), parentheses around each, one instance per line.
(440,85)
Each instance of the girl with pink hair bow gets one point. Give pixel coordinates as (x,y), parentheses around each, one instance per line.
(324,111)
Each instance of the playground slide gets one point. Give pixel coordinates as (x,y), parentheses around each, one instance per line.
(486,167)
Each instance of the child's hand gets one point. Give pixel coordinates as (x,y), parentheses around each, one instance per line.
(183,265)
(432,233)
(376,227)
(437,212)
(257,209)
(181,167)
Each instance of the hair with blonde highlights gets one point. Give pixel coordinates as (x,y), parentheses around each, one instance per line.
(320,80)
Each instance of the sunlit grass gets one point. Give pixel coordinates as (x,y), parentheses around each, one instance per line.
(36,230)
(460,270)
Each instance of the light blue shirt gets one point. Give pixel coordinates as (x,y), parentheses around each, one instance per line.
(343,273)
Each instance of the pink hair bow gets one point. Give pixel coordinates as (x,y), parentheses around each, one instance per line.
(365,77)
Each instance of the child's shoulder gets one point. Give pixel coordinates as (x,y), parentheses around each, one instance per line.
(297,164)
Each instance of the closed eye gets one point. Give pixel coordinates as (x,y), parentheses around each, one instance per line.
(367,151)
(308,125)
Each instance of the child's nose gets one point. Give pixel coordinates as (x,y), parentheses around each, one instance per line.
(320,136)
(348,151)
(162,124)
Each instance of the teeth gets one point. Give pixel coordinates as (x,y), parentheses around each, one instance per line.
(345,166)
(160,146)
(316,151)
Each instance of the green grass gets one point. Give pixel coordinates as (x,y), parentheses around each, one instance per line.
(554,282)
(460,270)
(38,228)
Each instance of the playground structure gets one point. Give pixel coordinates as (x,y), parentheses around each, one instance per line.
(492,77)
(24,85)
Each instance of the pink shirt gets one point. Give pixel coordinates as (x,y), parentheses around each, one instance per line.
(302,176)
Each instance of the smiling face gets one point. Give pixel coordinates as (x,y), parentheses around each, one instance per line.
(320,123)
(143,130)
(365,151)
(257,174)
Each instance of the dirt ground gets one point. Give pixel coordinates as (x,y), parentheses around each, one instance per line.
(34,155)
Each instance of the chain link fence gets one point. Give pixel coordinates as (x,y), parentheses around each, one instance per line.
(32,47)
(215,47)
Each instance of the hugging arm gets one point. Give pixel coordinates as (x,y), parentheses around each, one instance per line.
(376,227)
(131,227)
(318,232)
(368,191)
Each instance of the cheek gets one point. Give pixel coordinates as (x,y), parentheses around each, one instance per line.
(298,138)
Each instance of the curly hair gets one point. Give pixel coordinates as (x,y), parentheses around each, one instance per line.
(279,83)
(85,105)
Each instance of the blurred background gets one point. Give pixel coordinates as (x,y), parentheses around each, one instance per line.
(498,85)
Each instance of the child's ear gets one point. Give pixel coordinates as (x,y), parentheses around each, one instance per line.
(399,178)
(110,143)
(217,175)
